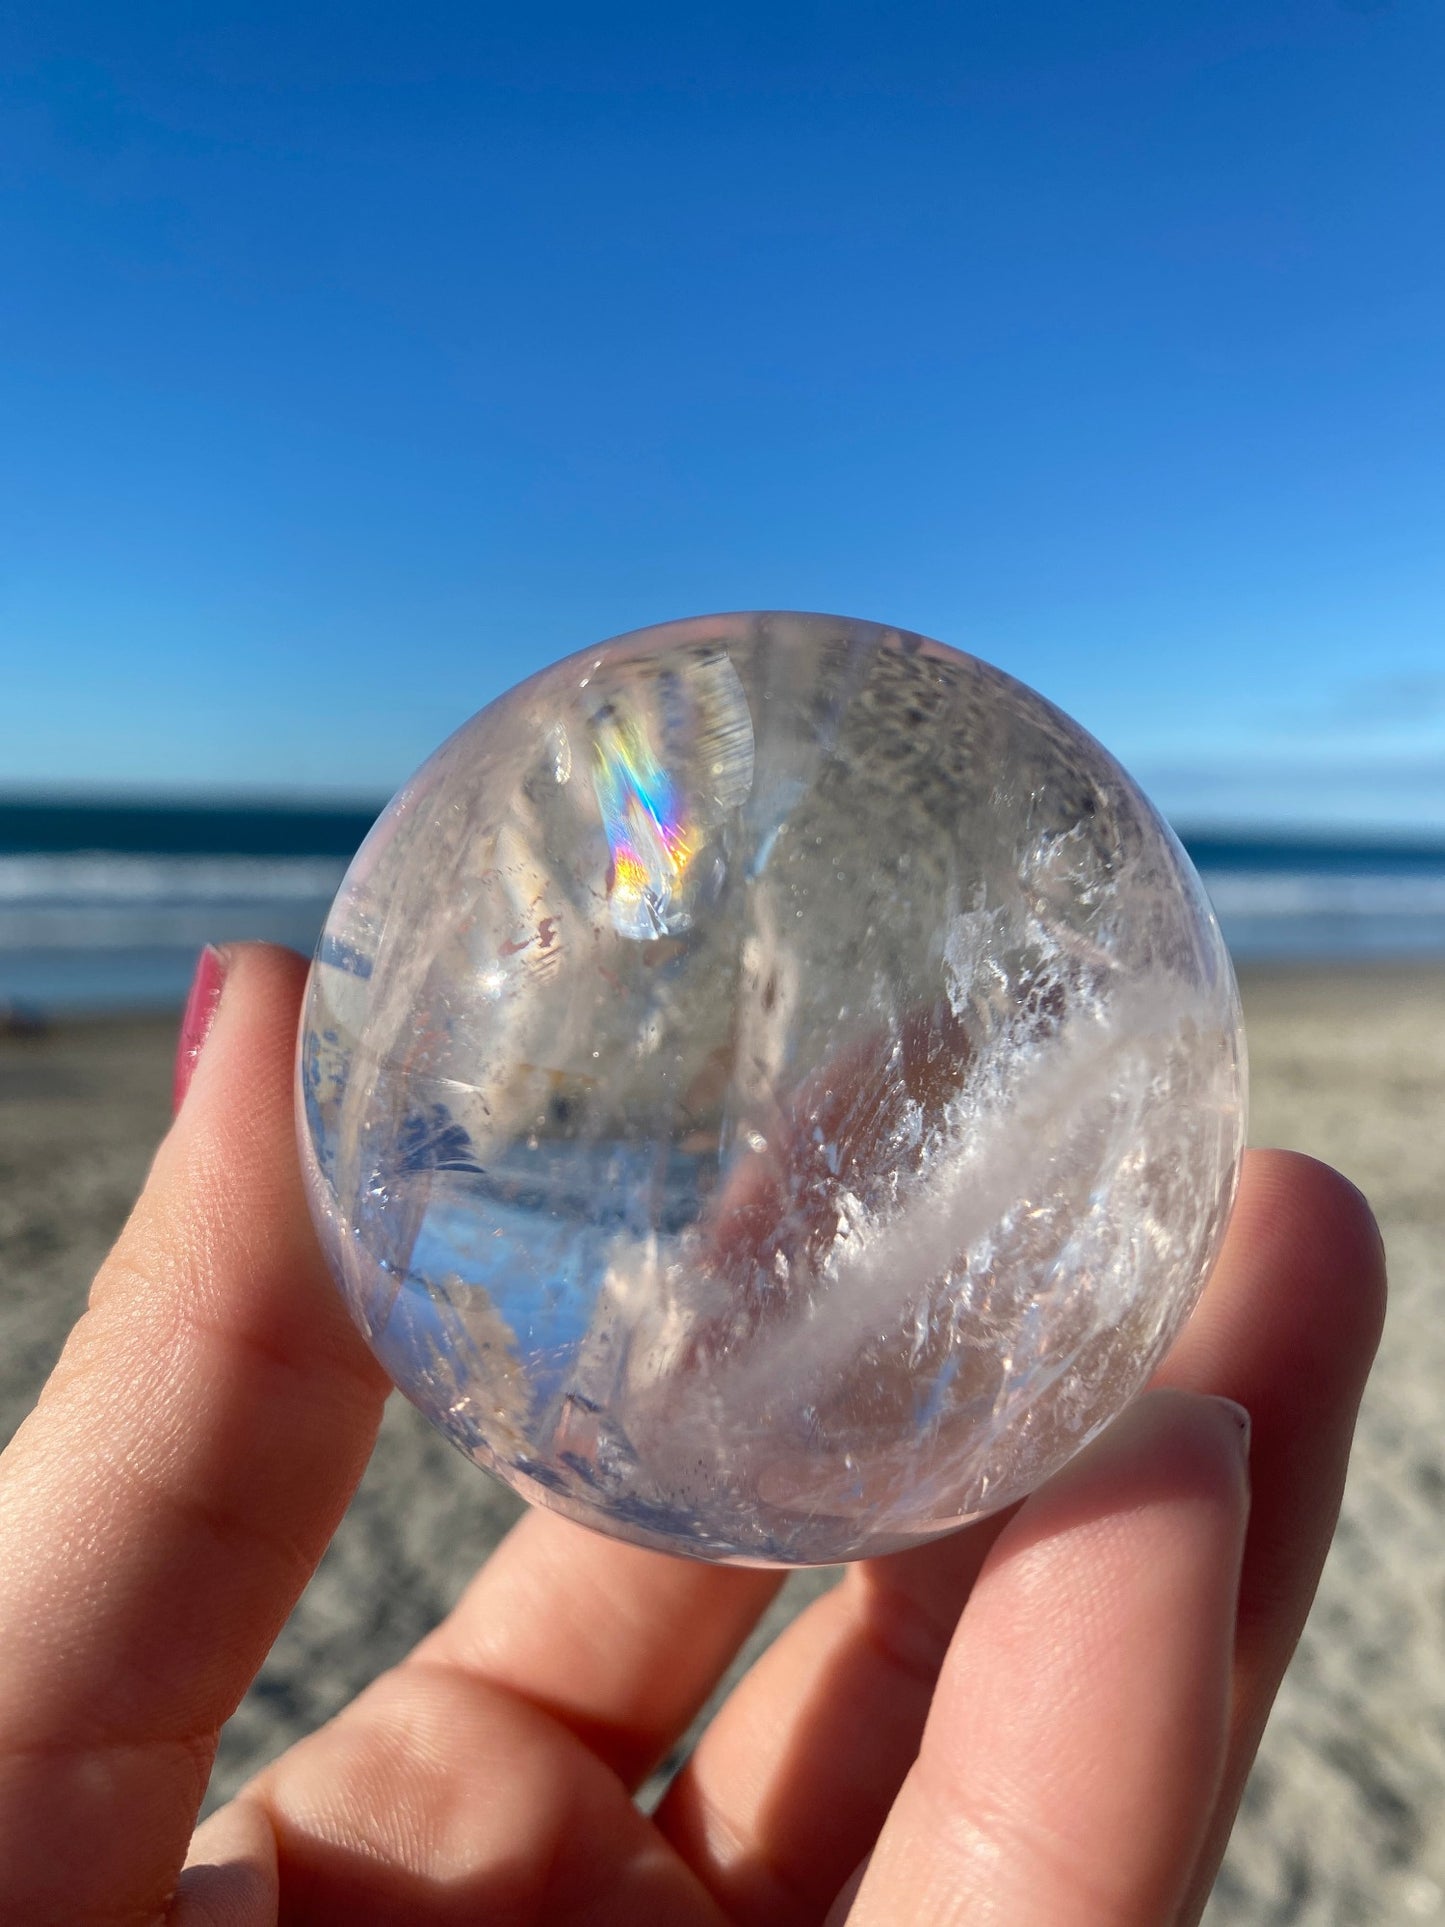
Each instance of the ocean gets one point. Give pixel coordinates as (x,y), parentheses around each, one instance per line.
(104,906)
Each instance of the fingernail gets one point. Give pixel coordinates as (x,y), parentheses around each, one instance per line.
(1241,1418)
(201,1005)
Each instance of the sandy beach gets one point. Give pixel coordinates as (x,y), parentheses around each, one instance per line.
(1345,1817)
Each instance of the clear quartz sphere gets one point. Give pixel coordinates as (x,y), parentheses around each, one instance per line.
(771,1088)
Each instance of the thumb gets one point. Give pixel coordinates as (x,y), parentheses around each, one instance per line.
(170,1495)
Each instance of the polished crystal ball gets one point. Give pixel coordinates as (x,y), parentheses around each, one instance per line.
(771,1088)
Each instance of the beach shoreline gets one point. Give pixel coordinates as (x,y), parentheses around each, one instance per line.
(1345,1817)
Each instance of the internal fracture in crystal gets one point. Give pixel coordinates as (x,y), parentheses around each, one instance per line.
(771,1088)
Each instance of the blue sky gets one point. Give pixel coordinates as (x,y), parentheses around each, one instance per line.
(356,360)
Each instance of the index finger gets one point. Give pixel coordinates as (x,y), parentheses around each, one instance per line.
(165,1503)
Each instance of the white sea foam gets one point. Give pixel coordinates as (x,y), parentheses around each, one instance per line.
(94,902)
(1303,893)
(83,878)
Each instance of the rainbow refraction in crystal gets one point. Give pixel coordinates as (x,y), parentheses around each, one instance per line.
(650,839)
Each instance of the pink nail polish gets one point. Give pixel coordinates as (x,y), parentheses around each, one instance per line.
(196,1024)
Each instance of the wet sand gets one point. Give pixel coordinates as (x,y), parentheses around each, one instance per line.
(1345,1817)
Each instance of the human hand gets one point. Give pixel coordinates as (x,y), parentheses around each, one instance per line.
(1044,1719)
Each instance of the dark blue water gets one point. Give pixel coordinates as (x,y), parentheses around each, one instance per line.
(103,906)
(36,827)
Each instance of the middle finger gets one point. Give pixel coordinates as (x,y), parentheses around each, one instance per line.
(619,1644)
